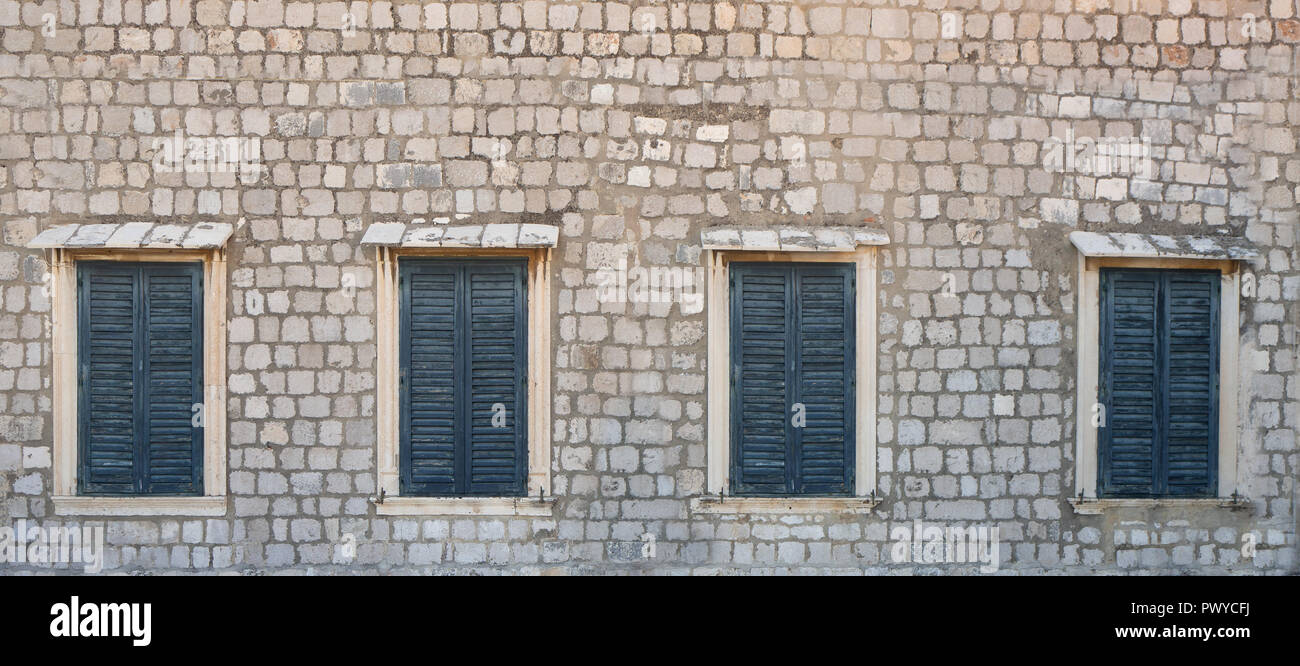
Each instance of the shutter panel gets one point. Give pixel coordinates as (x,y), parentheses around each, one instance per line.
(172,379)
(464,375)
(107,358)
(761,356)
(825,380)
(1192,418)
(792,345)
(1159,382)
(428,371)
(1130,383)
(140,350)
(497,373)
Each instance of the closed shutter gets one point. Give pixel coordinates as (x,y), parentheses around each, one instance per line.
(496,375)
(1159,382)
(140,350)
(108,359)
(428,447)
(1192,406)
(761,353)
(173,358)
(464,376)
(792,347)
(1130,386)
(825,380)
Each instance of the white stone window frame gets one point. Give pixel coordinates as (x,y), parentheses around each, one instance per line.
(1098,251)
(722,246)
(390,250)
(136,242)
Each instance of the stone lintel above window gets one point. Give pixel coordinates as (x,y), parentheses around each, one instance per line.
(791,238)
(134,236)
(1150,246)
(505,235)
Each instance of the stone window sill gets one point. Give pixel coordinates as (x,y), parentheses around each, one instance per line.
(140,506)
(465,506)
(781,505)
(1095,507)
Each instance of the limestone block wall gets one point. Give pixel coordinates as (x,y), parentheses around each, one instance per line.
(632,127)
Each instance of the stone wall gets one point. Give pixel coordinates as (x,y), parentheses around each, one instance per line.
(632,127)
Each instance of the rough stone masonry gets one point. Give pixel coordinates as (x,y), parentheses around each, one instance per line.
(634,127)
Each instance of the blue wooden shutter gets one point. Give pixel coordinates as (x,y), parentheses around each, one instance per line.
(1159,382)
(792,345)
(428,372)
(496,375)
(1130,382)
(761,356)
(141,374)
(1192,361)
(464,375)
(825,384)
(108,359)
(172,379)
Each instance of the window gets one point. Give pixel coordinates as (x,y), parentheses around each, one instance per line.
(139,383)
(1159,382)
(462,368)
(792,371)
(464,336)
(140,378)
(1158,339)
